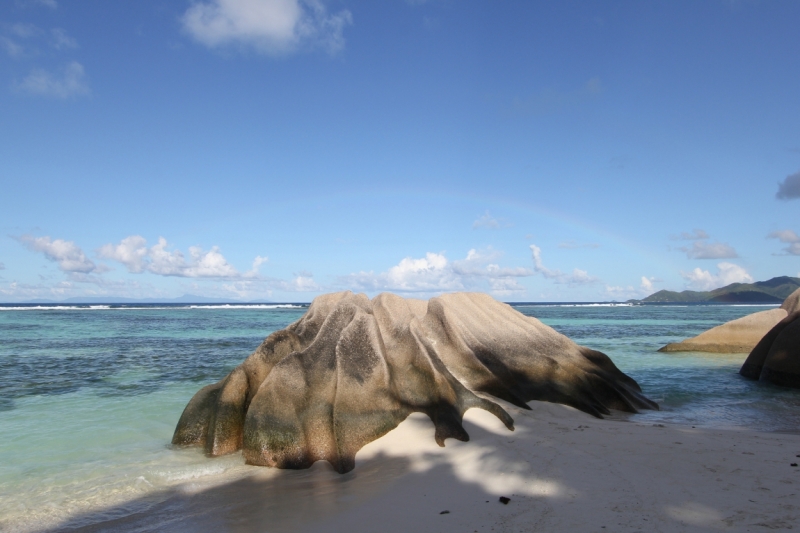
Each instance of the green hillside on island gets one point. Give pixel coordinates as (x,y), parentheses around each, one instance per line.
(774,290)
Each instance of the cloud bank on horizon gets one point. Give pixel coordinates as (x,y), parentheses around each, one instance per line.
(538,154)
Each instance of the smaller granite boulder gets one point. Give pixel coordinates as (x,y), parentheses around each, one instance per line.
(737,336)
(740,335)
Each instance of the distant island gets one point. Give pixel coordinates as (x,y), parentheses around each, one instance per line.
(771,291)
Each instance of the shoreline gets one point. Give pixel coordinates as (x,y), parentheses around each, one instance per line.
(561,469)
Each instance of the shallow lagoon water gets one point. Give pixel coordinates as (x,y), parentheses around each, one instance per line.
(89,396)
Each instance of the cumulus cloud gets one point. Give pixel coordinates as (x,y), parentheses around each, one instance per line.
(647,285)
(268,26)
(577,277)
(434,273)
(709,250)
(258,261)
(159,259)
(790,188)
(131,252)
(789,237)
(426,274)
(67,254)
(66,83)
(727,273)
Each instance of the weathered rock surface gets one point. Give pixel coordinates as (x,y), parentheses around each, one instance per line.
(776,358)
(740,335)
(350,370)
(736,336)
(792,303)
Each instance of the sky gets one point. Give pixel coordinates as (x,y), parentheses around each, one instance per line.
(274,150)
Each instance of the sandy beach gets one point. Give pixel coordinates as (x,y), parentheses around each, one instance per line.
(562,470)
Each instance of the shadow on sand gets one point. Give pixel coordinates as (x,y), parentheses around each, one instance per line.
(391,493)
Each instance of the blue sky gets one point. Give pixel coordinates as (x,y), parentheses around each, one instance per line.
(278,149)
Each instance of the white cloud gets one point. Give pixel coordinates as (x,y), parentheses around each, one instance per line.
(489,222)
(710,250)
(11,37)
(647,285)
(434,273)
(202,264)
(61,40)
(703,280)
(69,82)
(23,40)
(790,188)
(261,287)
(427,274)
(505,286)
(696,234)
(646,288)
(300,284)
(67,254)
(269,26)
(133,253)
(12,48)
(789,237)
(257,262)
(701,249)
(578,276)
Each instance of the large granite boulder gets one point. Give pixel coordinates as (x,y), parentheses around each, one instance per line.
(350,370)
(776,358)
(792,303)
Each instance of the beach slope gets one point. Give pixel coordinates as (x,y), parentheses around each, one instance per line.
(562,470)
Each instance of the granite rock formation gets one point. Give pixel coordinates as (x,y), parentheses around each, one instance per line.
(740,335)
(776,357)
(736,336)
(350,370)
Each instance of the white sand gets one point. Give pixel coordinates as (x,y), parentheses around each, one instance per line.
(562,469)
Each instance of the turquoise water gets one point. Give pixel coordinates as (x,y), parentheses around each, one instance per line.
(89,397)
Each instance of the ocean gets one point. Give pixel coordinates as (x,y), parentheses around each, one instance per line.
(90,395)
